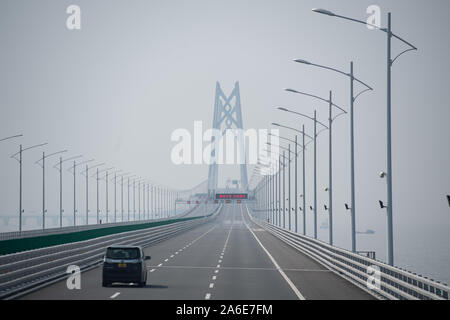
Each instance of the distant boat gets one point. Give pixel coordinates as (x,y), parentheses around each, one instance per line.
(368,231)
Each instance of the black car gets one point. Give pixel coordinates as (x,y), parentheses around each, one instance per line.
(125,264)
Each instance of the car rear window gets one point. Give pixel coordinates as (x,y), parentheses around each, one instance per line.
(123,253)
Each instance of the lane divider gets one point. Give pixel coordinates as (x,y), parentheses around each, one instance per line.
(285,277)
(211,285)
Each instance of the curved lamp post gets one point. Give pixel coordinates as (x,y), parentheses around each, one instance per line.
(98,192)
(390,62)
(315,157)
(352,148)
(59,166)
(330,149)
(86,174)
(41,163)
(304,179)
(276,188)
(74,185)
(20,152)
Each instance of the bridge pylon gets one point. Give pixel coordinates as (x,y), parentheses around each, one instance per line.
(227,115)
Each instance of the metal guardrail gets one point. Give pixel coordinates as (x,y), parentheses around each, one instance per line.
(394,283)
(25,270)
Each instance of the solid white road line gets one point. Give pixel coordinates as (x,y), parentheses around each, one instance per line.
(293,287)
(115,295)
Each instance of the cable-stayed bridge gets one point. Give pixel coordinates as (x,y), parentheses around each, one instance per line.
(208,242)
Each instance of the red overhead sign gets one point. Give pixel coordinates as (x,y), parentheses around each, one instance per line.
(231,196)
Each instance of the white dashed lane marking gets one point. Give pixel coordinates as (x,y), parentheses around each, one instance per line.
(211,285)
(115,295)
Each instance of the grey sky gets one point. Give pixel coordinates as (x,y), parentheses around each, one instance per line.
(137,70)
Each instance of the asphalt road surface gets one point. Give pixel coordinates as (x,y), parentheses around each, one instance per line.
(226,258)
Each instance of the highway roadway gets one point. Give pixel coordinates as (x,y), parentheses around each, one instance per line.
(228,257)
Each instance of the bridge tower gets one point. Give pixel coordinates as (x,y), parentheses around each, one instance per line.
(227,115)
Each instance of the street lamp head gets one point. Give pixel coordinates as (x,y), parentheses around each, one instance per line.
(302,61)
(275,124)
(323,11)
(282,109)
(291,90)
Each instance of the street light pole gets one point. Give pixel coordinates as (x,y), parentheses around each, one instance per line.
(304,183)
(21,150)
(296,190)
(390,62)
(115,197)
(352,161)
(60,193)
(44,210)
(330,174)
(98,209)
(98,180)
(87,194)
(74,193)
(273,177)
(315,174)
(352,153)
(279,192)
(43,190)
(315,158)
(284,193)
(289,186)
(74,187)
(128,189)
(121,198)
(87,187)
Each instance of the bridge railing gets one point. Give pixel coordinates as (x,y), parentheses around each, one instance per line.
(25,270)
(51,231)
(394,283)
